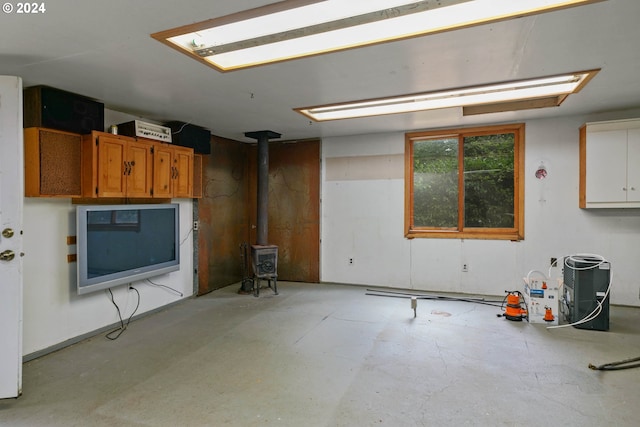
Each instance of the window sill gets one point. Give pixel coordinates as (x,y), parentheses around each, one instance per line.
(479,234)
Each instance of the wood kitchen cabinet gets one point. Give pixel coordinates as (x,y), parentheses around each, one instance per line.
(103,165)
(610,164)
(116,166)
(52,163)
(173,172)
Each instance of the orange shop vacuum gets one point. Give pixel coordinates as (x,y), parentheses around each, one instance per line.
(548,314)
(513,309)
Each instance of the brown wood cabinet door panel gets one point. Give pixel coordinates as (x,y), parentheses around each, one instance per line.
(162,170)
(139,170)
(111,158)
(183,173)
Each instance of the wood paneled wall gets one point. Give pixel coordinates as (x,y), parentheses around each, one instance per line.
(227,210)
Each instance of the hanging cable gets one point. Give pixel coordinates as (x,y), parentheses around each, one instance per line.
(123,325)
(169,288)
(187,236)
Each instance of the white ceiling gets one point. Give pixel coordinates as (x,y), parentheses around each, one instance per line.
(103,50)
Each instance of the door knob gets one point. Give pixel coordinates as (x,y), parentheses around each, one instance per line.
(7,255)
(7,233)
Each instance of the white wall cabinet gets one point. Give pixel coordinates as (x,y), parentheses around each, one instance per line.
(610,164)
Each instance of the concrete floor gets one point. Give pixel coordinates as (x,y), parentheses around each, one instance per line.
(329,355)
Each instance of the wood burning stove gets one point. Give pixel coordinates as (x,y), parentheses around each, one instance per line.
(264,259)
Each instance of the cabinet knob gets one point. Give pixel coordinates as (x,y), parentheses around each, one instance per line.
(7,255)
(633,188)
(624,188)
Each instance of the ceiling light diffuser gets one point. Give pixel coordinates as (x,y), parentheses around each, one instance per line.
(506,96)
(297,28)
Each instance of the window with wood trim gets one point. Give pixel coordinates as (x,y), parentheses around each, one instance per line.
(465,183)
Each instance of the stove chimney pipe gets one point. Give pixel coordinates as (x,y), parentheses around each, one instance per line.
(263,137)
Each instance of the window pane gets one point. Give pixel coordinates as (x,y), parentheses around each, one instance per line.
(435,183)
(488,181)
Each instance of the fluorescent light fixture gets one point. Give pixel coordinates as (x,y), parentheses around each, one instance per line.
(297,28)
(507,96)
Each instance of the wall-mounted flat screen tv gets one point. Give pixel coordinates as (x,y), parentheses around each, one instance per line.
(121,244)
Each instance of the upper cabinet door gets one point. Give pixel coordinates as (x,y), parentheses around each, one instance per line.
(183,175)
(111,167)
(162,171)
(607,166)
(139,169)
(633,168)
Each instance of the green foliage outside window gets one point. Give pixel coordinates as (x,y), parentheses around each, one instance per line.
(435,183)
(488,181)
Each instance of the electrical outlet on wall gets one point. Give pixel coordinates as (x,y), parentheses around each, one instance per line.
(350,261)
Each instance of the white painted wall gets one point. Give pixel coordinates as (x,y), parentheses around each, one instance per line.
(363,219)
(53,312)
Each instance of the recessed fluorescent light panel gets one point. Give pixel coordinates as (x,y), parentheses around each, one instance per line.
(297,28)
(507,96)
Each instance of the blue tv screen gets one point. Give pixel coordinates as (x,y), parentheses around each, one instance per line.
(121,244)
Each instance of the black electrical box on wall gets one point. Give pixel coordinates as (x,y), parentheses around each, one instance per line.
(188,135)
(56,109)
(586,280)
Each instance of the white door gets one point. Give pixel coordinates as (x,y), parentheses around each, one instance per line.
(11,194)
